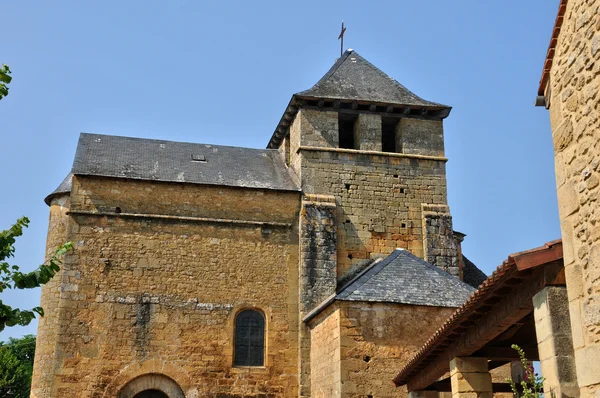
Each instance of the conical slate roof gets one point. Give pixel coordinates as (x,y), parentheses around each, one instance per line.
(406,279)
(63,188)
(354,78)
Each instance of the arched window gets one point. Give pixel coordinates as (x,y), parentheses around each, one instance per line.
(249,339)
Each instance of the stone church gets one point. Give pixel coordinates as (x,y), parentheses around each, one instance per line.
(313,268)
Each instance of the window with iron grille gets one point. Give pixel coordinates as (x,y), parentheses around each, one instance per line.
(249,339)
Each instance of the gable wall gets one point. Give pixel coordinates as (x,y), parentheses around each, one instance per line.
(165,291)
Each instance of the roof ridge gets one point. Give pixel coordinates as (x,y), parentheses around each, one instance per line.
(385,75)
(330,72)
(159,140)
(437,269)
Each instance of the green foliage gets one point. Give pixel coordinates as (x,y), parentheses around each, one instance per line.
(533,384)
(16,366)
(12,278)
(5,78)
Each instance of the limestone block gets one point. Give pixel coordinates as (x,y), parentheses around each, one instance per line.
(586,359)
(574,278)
(563,134)
(567,198)
(471,382)
(576,323)
(468,364)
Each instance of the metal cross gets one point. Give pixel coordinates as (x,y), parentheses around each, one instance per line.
(341,36)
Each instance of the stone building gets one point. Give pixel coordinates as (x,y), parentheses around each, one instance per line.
(569,88)
(314,267)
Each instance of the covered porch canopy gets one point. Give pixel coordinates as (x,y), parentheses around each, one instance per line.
(523,302)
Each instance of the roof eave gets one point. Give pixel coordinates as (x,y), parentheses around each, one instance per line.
(551,251)
(551,48)
(296,102)
(126,178)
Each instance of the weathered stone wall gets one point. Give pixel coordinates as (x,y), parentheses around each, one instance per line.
(325,354)
(317,268)
(376,340)
(318,250)
(440,246)
(155,289)
(574,108)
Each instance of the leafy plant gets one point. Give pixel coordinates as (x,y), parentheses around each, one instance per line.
(16,366)
(532,385)
(5,78)
(12,278)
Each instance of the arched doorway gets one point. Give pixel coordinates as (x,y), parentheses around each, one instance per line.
(151,394)
(152,385)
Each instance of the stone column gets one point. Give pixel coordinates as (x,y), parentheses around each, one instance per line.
(555,343)
(470,378)
(367,132)
(423,394)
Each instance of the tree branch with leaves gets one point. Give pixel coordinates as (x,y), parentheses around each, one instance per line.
(12,278)
(5,79)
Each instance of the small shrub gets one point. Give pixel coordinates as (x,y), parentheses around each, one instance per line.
(533,384)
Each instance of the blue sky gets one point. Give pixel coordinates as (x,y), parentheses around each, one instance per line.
(222,72)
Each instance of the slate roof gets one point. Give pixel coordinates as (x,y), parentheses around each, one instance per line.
(64,187)
(170,161)
(406,279)
(471,274)
(354,78)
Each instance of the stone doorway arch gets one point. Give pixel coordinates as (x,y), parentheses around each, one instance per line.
(152,385)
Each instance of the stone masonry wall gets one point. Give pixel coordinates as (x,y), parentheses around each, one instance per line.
(379,200)
(574,114)
(325,354)
(375,341)
(159,294)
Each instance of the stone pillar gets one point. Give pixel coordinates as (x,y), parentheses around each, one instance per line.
(470,378)
(367,132)
(423,394)
(318,267)
(555,343)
